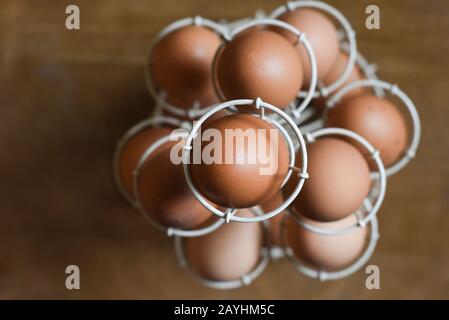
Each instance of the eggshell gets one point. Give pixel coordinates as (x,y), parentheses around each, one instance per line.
(375,119)
(339,181)
(327,252)
(322,35)
(259,63)
(165,195)
(228,253)
(240,183)
(181,65)
(133,150)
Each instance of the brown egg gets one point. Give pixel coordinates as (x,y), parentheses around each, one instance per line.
(239,177)
(339,181)
(322,35)
(133,150)
(164,193)
(335,73)
(259,63)
(181,66)
(375,119)
(275,222)
(327,252)
(228,253)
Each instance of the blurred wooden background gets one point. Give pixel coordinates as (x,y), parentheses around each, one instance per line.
(67,96)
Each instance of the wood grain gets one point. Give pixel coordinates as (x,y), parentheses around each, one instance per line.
(67,96)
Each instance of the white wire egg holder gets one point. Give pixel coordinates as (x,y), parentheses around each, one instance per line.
(324,91)
(136,179)
(331,275)
(134,130)
(371,208)
(302,39)
(229,214)
(245,280)
(314,91)
(393,89)
(160,97)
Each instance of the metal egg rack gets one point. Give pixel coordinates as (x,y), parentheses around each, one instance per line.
(296,127)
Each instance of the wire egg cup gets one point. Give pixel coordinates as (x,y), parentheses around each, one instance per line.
(153,122)
(229,214)
(245,280)
(160,97)
(362,221)
(302,40)
(324,91)
(394,90)
(323,275)
(170,231)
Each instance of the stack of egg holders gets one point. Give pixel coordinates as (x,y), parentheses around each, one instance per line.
(297,130)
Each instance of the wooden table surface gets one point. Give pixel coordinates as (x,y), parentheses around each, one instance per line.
(67,96)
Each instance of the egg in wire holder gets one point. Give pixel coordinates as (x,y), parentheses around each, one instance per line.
(245,280)
(363,219)
(229,214)
(153,122)
(371,209)
(160,97)
(393,89)
(302,40)
(331,275)
(324,91)
(170,231)
(372,206)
